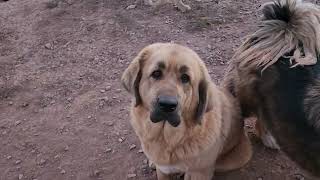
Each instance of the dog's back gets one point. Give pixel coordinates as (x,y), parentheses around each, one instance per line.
(275,75)
(289,104)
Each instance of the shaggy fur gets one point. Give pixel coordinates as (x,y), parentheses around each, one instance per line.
(204,134)
(275,76)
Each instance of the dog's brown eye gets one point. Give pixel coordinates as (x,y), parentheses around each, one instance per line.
(156,74)
(185,78)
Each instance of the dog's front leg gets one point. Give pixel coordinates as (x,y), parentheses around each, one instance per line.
(206,174)
(162,176)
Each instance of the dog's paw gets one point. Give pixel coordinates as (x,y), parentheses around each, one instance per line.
(269,141)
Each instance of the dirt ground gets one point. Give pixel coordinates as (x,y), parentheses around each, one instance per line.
(63,112)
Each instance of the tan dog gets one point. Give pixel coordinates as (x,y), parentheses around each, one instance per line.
(185,123)
(179,3)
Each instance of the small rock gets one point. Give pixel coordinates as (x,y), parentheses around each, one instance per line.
(110,123)
(118,90)
(10,103)
(132,175)
(145,161)
(152,165)
(133,146)
(56,156)
(108,88)
(121,139)
(140,151)
(102,91)
(131,7)
(89,117)
(20,176)
(18,161)
(62,171)
(42,162)
(69,99)
(66,148)
(260,178)
(108,150)
(48,46)
(96,173)
(24,104)
(9,157)
(17,123)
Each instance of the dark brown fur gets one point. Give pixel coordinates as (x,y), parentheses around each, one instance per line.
(284,97)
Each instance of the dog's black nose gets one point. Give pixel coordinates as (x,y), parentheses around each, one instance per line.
(167,103)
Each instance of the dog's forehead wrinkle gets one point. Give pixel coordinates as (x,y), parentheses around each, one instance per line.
(161,65)
(184,69)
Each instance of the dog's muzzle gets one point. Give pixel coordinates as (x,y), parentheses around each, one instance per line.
(165,109)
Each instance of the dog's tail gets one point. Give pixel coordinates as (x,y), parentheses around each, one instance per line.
(289,28)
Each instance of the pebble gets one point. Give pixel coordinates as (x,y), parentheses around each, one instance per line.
(131,7)
(102,91)
(9,157)
(96,173)
(66,148)
(24,104)
(89,117)
(20,176)
(108,150)
(10,103)
(69,99)
(152,165)
(140,151)
(42,162)
(132,175)
(145,161)
(260,178)
(62,171)
(108,88)
(48,46)
(110,123)
(18,162)
(121,139)
(17,123)
(133,146)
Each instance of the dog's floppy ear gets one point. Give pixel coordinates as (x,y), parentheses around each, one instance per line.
(132,76)
(204,104)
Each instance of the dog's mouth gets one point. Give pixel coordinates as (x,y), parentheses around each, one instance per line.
(171,117)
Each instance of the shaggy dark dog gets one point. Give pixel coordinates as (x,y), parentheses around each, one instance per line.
(275,75)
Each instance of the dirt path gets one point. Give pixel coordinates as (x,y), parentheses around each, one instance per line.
(63,112)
